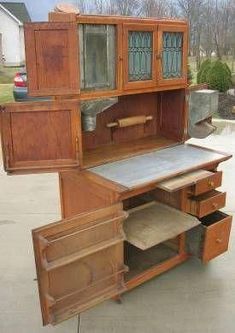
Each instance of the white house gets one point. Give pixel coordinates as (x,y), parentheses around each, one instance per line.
(12,17)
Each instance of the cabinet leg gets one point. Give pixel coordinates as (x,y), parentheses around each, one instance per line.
(117,299)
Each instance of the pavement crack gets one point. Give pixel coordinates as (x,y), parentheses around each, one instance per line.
(79,321)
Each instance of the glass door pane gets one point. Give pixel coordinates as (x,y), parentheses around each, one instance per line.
(172,54)
(140,49)
(97,56)
(139,61)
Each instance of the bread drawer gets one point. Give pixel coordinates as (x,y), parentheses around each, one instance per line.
(211,238)
(207,184)
(206,203)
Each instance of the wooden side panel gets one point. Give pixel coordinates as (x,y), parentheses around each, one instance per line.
(41,136)
(52,58)
(79,194)
(172,114)
(79,262)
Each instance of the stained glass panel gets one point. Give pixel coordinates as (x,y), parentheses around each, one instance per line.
(172,55)
(140,48)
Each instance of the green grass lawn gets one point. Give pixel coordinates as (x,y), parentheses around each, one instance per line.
(6,93)
(7,74)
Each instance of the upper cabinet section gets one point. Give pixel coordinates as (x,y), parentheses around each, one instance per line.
(139,70)
(52,58)
(97,57)
(172,56)
(102,56)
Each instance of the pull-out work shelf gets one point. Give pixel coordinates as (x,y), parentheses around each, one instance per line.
(154,223)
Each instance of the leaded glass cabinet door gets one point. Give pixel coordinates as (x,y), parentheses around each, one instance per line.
(139,45)
(172,55)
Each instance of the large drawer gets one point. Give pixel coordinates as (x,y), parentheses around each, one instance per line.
(211,238)
(207,184)
(206,203)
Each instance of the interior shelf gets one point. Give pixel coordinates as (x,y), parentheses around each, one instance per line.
(105,153)
(154,223)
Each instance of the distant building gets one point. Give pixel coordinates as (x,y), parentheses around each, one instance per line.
(12,17)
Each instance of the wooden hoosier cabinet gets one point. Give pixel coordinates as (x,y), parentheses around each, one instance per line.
(136,200)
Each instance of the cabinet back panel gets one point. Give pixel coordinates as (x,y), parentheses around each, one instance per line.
(166,108)
(127,106)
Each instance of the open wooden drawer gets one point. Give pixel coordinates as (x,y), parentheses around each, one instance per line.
(206,203)
(211,238)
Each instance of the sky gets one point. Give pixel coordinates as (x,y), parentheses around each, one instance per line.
(38,9)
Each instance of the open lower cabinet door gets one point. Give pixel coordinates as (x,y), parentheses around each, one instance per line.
(40,136)
(79,262)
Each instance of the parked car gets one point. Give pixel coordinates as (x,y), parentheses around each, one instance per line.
(20,90)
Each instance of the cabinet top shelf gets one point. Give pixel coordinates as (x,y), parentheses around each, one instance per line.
(114,19)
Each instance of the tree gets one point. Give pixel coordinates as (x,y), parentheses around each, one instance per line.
(193,11)
(155,8)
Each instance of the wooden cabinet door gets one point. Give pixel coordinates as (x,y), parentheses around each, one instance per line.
(39,136)
(139,56)
(172,55)
(52,58)
(79,262)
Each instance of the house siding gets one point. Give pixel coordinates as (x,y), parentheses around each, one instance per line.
(12,41)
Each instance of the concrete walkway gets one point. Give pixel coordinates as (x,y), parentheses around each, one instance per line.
(191,298)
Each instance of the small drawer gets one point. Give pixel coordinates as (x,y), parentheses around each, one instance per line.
(211,238)
(206,203)
(207,184)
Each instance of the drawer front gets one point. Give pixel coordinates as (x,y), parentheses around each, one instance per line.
(216,238)
(207,184)
(211,237)
(206,204)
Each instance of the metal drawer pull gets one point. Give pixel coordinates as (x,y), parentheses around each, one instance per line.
(214,205)
(211,183)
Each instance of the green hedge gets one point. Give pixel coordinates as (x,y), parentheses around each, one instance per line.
(216,74)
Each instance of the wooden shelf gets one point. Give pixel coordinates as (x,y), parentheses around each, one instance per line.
(154,223)
(114,152)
